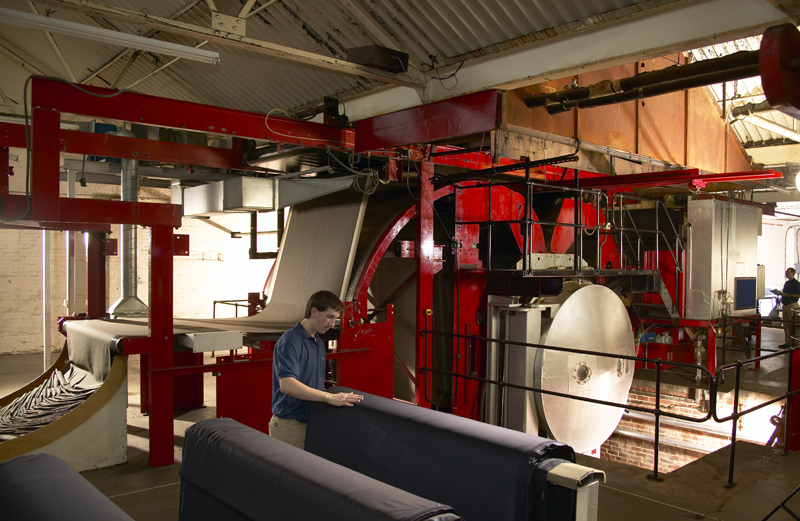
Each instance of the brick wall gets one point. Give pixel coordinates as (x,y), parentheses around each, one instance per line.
(218,268)
(682,442)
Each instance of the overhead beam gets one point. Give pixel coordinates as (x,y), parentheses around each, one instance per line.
(242,42)
(55,47)
(775,155)
(24,65)
(599,44)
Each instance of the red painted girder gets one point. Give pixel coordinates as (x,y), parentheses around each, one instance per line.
(162,112)
(119,212)
(470,114)
(673,177)
(76,142)
(85,214)
(47,225)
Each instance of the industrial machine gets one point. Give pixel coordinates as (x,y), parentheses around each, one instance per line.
(469,277)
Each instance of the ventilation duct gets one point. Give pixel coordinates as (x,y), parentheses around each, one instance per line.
(129,304)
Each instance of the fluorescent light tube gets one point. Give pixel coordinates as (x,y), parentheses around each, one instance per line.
(14,17)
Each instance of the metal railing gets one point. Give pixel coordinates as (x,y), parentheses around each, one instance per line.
(618,205)
(612,210)
(235,303)
(712,382)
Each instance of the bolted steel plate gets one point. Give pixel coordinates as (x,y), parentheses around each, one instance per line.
(593,318)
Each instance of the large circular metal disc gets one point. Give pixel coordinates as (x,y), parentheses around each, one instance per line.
(593,318)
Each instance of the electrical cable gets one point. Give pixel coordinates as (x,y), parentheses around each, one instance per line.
(367,174)
(266,123)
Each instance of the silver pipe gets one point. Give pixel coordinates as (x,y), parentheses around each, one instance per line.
(128,303)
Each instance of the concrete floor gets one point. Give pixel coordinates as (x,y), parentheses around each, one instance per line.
(763,476)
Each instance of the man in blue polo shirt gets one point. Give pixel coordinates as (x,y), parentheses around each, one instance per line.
(789,297)
(298,371)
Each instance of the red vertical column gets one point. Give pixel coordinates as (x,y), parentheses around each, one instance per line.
(45,189)
(96,275)
(793,429)
(425,271)
(161,387)
(5,170)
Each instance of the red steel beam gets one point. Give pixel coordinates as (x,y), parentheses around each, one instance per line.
(461,116)
(673,177)
(151,110)
(76,142)
(84,214)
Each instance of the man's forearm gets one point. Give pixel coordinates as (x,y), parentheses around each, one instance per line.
(299,390)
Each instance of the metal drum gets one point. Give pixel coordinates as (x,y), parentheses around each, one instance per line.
(592,318)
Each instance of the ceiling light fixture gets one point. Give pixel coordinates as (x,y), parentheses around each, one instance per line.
(19,18)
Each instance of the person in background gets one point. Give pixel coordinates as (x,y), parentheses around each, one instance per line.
(298,371)
(789,297)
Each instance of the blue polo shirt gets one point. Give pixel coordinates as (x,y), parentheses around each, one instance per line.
(302,357)
(791,286)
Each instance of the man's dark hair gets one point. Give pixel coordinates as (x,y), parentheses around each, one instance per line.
(792,270)
(322,301)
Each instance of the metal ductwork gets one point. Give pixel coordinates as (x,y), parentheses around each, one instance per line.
(129,304)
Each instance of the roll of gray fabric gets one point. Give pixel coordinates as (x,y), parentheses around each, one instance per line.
(44,487)
(485,472)
(231,471)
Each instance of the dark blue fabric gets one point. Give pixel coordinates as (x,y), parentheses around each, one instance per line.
(232,472)
(44,488)
(298,356)
(792,286)
(485,472)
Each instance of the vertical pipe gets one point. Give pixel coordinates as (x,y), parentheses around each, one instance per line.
(526,230)
(129,303)
(657,241)
(489,236)
(130,192)
(597,232)
(46,307)
(69,240)
(657,419)
(578,224)
(253,235)
(733,427)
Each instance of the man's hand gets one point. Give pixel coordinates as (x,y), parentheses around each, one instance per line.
(343,399)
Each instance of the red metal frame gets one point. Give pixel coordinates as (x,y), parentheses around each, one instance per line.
(673,177)
(426,268)
(464,115)
(367,346)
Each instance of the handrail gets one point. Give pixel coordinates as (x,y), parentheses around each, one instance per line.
(234,303)
(712,382)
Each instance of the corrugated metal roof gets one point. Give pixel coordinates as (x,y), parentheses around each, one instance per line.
(434,34)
